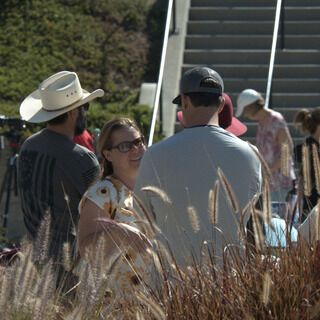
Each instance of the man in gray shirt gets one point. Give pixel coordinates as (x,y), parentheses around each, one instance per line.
(53,171)
(186,167)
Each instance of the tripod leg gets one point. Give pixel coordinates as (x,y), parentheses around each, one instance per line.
(12,161)
(4,182)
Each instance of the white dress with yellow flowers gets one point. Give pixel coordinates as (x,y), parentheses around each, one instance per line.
(127,269)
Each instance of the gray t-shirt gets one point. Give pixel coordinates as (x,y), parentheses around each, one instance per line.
(53,174)
(185,167)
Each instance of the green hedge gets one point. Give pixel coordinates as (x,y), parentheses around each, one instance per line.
(97,115)
(112,44)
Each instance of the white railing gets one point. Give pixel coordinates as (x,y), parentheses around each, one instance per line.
(160,77)
(273,52)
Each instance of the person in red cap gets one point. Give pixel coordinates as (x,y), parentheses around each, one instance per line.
(226,119)
(187,166)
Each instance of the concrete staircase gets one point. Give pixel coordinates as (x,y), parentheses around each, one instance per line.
(234,38)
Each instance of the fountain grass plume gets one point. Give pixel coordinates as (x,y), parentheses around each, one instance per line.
(154,307)
(145,212)
(285,159)
(158,192)
(66,257)
(193,217)
(213,204)
(306,170)
(316,166)
(43,238)
(228,190)
(258,236)
(265,296)
(266,203)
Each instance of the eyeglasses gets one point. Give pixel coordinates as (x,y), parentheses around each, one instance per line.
(85,106)
(127,146)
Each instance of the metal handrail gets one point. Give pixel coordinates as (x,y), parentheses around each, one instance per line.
(160,77)
(273,52)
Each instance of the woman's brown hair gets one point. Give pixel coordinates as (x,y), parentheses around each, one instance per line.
(105,140)
(309,119)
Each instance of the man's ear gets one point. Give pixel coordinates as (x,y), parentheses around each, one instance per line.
(184,101)
(220,108)
(72,114)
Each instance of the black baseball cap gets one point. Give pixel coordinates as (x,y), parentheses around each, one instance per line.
(191,82)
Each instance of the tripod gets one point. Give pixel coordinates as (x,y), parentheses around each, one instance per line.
(10,176)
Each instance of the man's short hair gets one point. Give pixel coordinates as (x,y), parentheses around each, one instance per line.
(63,117)
(206,99)
(59,120)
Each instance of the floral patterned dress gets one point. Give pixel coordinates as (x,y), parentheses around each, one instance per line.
(271,150)
(127,269)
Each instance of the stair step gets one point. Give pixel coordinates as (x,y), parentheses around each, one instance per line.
(261,70)
(259,3)
(278,85)
(251,27)
(252,13)
(234,38)
(251,41)
(210,57)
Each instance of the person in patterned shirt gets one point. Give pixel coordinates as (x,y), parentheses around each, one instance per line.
(272,135)
(106,211)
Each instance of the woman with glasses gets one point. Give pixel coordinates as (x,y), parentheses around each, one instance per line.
(107,224)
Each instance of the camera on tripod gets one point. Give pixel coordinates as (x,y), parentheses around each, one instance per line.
(11,122)
(14,133)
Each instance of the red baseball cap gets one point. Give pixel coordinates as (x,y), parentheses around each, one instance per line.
(226,119)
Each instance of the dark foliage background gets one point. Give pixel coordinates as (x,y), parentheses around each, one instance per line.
(112,44)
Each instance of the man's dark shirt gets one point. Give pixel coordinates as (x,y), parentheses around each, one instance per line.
(53,174)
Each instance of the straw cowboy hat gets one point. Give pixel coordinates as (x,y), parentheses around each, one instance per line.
(56,95)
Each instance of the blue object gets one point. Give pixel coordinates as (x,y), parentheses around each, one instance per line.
(277,237)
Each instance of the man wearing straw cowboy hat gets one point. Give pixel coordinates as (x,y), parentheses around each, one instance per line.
(53,171)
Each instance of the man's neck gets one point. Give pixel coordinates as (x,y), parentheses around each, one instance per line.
(203,118)
(62,129)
